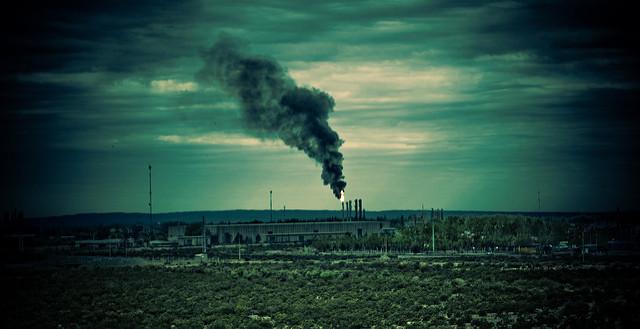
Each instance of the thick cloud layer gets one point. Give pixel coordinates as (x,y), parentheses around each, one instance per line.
(272,103)
(458,104)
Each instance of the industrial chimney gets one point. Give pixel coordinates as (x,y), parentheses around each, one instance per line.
(355,212)
(351,210)
(352,203)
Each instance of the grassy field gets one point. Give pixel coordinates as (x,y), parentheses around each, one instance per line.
(328,293)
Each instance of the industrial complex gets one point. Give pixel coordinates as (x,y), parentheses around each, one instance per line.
(353,224)
(290,232)
(287,232)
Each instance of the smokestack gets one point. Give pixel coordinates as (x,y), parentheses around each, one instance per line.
(349,213)
(342,210)
(346,203)
(273,106)
(355,212)
(360,208)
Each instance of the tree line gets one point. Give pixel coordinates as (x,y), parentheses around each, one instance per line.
(486,233)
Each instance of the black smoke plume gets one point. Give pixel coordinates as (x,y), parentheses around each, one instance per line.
(273,103)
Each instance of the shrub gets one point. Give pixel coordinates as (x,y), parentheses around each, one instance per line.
(458,283)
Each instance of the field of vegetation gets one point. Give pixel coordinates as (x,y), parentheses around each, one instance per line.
(378,292)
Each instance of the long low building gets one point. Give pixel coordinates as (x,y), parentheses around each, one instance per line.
(104,243)
(290,232)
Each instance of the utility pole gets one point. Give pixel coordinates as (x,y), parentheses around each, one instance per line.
(538,201)
(583,245)
(433,234)
(204,237)
(150,207)
(271,205)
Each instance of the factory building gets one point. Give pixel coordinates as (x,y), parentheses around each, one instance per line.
(177,235)
(176,231)
(191,241)
(293,232)
(103,243)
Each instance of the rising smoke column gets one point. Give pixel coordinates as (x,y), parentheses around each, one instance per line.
(273,103)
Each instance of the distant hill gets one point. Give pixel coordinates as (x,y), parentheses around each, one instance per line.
(234,216)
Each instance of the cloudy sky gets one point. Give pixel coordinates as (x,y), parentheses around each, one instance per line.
(456,104)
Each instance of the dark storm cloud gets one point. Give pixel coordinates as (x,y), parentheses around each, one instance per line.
(604,105)
(583,37)
(589,38)
(67,35)
(27,95)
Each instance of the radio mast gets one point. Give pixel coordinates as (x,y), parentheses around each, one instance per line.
(150,207)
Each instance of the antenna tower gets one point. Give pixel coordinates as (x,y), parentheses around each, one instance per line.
(150,206)
(271,205)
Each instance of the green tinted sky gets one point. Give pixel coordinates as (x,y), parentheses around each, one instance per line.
(454,104)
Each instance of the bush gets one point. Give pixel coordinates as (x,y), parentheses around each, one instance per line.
(458,283)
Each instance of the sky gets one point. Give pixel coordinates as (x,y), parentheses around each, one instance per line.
(465,105)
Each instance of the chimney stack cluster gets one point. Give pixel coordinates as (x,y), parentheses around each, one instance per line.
(359,213)
(347,209)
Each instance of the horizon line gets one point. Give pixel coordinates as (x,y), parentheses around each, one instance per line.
(338,210)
